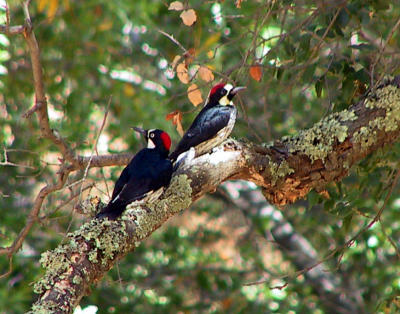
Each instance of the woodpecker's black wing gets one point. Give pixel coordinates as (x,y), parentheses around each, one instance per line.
(146,173)
(206,125)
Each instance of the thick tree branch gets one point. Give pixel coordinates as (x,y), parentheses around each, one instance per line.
(311,160)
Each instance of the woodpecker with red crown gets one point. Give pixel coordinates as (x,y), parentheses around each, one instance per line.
(145,177)
(213,124)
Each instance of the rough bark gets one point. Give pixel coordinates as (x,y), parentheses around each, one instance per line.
(310,160)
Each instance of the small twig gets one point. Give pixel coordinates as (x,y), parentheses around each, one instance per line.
(12,30)
(11,164)
(171,37)
(94,149)
(382,50)
(66,202)
(346,245)
(9,268)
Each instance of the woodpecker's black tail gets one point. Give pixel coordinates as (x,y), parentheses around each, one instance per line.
(112,211)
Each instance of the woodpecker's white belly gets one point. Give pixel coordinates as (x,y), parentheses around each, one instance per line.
(221,136)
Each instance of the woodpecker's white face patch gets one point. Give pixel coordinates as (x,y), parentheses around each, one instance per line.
(224,101)
(150,137)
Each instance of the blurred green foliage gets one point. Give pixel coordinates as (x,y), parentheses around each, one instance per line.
(316,57)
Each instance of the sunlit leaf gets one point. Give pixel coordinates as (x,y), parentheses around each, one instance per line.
(182,73)
(41,4)
(194,95)
(211,40)
(105,25)
(206,74)
(256,72)
(129,90)
(51,5)
(176,5)
(188,17)
(51,12)
(66,5)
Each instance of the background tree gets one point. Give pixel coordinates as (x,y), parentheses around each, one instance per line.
(108,65)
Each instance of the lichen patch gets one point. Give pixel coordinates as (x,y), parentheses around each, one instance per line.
(317,142)
(387,98)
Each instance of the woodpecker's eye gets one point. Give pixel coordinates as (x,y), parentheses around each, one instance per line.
(152,135)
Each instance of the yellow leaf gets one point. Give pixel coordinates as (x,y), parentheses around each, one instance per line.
(210,54)
(206,74)
(194,95)
(256,72)
(188,17)
(66,5)
(105,25)
(176,5)
(42,5)
(129,90)
(211,40)
(182,73)
(51,12)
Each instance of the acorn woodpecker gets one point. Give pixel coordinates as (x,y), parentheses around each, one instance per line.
(213,124)
(145,177)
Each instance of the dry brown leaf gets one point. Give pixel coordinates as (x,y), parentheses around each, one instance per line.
(176,5)
(188,17)
(182,73)
(256,72)
(238,3)
(189,55)
(176,117)
(194,95)
(206,74)
(179,125)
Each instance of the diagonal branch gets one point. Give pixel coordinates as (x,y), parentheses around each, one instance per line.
(333,292)
(40,106)
(310,160)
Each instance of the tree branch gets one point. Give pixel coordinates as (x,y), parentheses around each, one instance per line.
(334,294)
(310,160)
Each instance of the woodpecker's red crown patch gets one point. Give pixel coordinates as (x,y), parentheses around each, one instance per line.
(166,140)
(216,87)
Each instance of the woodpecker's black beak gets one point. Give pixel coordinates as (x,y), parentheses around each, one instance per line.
(234,91)
(140,130)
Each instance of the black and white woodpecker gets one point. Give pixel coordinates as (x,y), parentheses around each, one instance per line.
(213,124)
(145,177)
